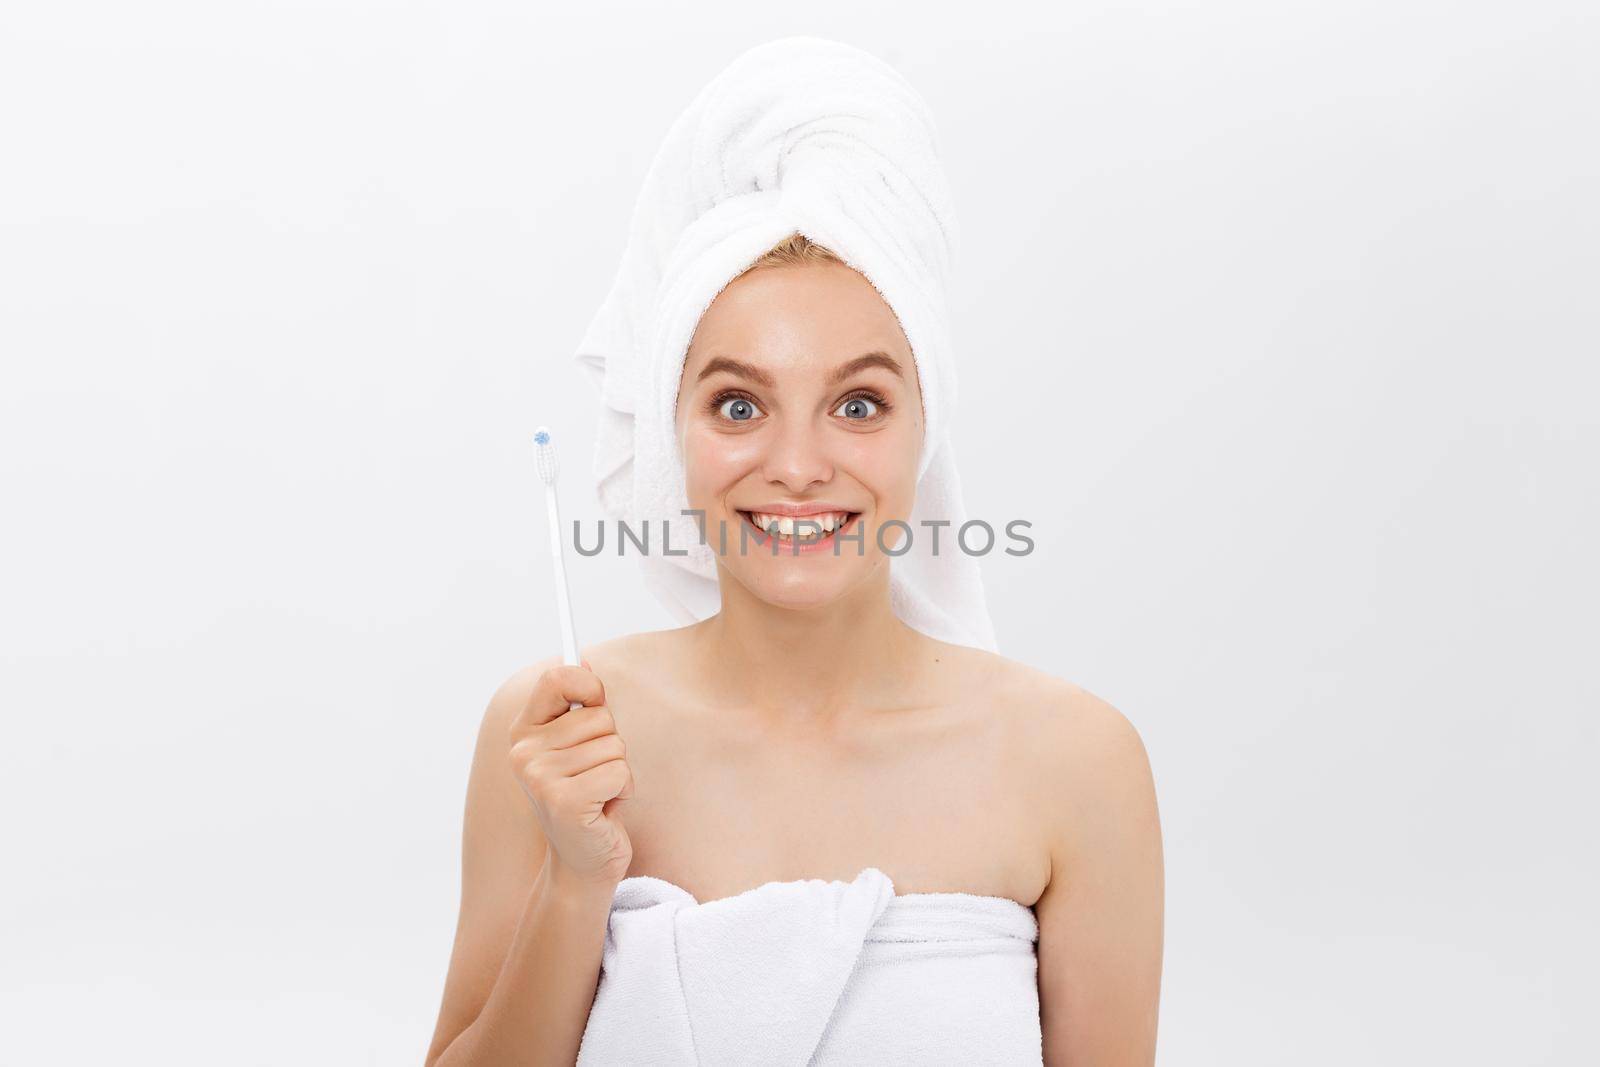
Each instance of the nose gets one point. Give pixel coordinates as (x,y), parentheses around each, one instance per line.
(797,457)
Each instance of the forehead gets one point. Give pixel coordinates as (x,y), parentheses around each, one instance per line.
(796,322)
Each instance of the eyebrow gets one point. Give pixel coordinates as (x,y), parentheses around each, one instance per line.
(761,377)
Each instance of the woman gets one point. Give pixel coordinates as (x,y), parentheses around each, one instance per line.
(801,747)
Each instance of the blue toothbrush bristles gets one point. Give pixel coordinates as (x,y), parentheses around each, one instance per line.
(544,455)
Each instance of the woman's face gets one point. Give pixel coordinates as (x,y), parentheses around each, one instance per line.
(799,398)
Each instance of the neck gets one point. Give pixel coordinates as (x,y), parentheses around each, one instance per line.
(808,665)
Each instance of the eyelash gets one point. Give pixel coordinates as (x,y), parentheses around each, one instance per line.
(714,405)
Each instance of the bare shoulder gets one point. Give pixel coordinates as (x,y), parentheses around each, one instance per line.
(1093,804)
(617,657)
(508,701)
(1059,714)
(1078,753)
(634,654)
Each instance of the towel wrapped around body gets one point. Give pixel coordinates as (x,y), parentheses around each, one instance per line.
(814,972)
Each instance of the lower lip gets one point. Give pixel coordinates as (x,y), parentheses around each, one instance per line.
(797,548)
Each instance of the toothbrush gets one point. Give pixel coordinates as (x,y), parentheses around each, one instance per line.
(544,455)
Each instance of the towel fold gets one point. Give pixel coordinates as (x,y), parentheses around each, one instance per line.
(814,972)
(806,135)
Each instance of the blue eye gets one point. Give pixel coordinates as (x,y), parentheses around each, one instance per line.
(738,409)
(858,407)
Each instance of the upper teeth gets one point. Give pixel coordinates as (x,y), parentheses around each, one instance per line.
(784,525)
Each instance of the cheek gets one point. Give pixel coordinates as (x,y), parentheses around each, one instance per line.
(885,462)
(712,461)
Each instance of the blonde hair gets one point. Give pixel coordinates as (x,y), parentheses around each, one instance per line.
(795,250)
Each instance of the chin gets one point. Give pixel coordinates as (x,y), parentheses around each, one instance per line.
(801,589)
(808,598)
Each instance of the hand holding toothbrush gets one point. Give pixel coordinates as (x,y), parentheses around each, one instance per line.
(573,766)
(565,749)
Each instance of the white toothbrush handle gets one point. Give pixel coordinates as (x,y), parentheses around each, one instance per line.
(569,640)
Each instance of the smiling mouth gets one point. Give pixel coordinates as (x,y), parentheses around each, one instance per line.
(806,530)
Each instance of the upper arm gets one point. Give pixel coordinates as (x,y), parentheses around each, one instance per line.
(1101,916)
(502,851)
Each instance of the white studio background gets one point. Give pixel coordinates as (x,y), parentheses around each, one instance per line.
(1279,325)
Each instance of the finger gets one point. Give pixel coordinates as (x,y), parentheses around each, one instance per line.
(571,762)
(557,689)
(577,726)
(601,783)
(610,807)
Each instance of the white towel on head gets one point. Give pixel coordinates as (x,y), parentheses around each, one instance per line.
(805,135)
